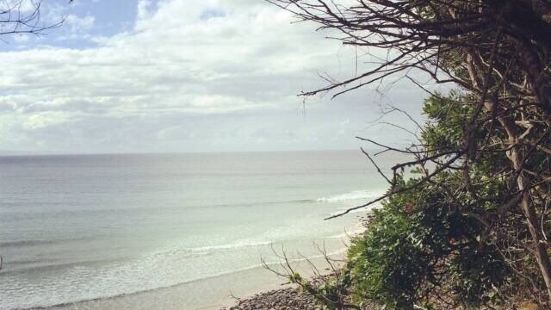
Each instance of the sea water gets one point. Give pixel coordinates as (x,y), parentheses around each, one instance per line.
(78,228)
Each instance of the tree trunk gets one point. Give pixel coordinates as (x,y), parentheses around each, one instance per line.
(523,183)
(517,159)
(542,257)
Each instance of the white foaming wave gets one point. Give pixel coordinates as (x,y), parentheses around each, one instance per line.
(359,210)
(159,269)
(235,245)
(352,199)
(350,196)
(183,251)
(358,229)
(138,282)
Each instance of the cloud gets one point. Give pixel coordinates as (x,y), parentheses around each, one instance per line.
(144,9)
(78,24)
(183,61)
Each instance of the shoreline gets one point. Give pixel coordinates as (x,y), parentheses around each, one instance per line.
(284,298)
(252,285)
(284,293)
(246,284)
(290,296)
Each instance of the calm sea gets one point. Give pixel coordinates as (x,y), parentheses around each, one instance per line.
(96,227)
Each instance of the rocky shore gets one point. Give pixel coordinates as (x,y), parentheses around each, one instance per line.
(286,298)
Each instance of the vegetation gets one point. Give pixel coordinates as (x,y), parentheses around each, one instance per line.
(469,229)
(435,246)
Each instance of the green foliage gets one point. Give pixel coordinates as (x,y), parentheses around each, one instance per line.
(453,235)
(388,263)
(330,291)
(418,241)
(435,236)
(450,241)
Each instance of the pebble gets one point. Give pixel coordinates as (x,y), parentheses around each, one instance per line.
(287,298)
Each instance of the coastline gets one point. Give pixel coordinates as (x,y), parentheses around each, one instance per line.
(285,295)
(285,298)
(250,285)
(290,296)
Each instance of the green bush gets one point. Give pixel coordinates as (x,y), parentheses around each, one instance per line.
(417,242)
(434,239)
(456,240)
(387,263)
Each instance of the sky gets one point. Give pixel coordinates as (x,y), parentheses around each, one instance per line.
(187,76)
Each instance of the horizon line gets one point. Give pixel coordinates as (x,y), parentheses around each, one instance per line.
(56,153)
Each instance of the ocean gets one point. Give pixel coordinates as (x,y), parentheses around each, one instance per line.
(182,231)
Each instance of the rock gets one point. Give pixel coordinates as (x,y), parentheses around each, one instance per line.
(287,298)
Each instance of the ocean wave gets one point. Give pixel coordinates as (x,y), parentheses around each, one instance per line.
(136,290)
(357,198)
(37,242)
(182,253)
(359,210)
(348,234)
(229,246)
(38,265)
(354,195)
(19,243)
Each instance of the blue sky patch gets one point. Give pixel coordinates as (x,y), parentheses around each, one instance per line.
(212,13)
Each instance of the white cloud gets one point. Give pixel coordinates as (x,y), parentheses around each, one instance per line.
(78,24)
(186,58)
(44,119)
(23,6)
(144,7)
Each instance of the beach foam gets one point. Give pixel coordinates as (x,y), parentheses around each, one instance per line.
(352,196)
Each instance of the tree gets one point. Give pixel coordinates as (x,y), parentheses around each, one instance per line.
(441,245)
(497,53)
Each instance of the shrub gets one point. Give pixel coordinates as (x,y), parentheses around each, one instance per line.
(421,246)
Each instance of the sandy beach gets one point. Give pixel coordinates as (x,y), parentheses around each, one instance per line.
(256,285)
